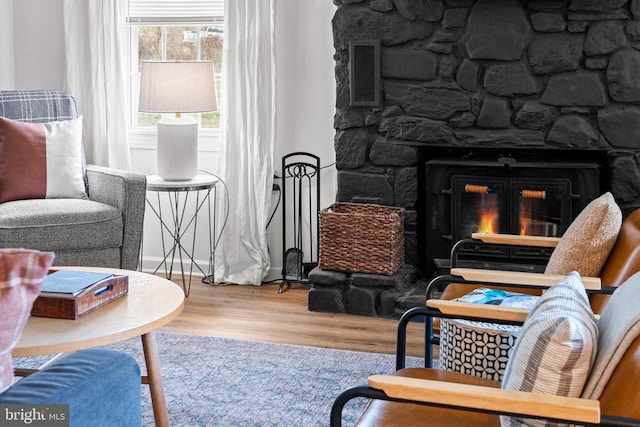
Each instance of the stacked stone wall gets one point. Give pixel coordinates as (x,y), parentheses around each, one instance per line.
(538,74)
(544,75)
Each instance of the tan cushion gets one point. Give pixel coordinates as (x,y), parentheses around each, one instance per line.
(586,244)
(22,273)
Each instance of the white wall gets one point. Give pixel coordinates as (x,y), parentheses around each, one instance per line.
(6,44)
(305,97)
(305,94)
(38,44)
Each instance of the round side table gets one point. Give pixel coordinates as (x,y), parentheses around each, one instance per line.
(178,222)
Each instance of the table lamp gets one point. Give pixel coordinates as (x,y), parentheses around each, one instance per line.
(177,87)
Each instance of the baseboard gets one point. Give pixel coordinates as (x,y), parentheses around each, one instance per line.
(274,274)
(156,265)
(150,265)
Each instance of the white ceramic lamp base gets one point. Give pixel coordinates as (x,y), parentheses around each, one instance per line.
(177,149)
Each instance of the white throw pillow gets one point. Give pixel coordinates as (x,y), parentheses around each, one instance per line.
(556,347)
(41,160)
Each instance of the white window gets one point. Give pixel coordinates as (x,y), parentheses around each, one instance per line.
(174,30)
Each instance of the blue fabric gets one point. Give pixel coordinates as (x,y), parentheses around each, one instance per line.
(101,387)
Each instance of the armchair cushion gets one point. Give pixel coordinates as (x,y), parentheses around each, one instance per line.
(556,347)
(41,160)
(59,224)
(586,244)
(22,273)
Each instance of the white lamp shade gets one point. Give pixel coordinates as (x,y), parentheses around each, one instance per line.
(177,87)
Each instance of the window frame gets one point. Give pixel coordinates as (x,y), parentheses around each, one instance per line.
(145,137)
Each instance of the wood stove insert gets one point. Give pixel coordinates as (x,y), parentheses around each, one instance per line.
(502,195)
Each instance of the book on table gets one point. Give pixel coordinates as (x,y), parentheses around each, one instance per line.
(72,282)
(71,294)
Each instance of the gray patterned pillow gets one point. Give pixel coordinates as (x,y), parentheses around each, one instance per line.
(556,347)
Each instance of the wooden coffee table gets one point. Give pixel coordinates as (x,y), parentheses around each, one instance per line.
(151,303)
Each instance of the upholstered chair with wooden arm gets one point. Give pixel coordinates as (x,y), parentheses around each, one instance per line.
(601,246)
(607,396)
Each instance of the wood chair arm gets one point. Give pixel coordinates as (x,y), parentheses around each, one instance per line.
(487,398)
(481,311)
(520,278)
(517,240)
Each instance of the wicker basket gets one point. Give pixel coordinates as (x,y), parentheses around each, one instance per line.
(363,238)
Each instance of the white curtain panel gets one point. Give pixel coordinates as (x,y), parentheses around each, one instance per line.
(248,129)
(96,77)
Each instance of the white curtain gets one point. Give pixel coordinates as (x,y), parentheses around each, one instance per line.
(96,77)
(248,129)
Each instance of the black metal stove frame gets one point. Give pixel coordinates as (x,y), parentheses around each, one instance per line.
(451,182)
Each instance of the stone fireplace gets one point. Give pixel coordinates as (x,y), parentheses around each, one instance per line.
(549,79)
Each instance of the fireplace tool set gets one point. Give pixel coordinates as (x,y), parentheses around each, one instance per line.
(300,207)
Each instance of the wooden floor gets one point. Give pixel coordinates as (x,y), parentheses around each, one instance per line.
(260,313)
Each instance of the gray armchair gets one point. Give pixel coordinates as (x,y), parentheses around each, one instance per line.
(104,230)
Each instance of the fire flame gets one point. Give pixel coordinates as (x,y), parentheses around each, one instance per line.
(488,221)
(525,216)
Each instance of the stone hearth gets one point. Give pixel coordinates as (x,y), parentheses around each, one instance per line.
(554,77)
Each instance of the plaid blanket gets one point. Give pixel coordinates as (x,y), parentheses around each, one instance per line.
(37,106)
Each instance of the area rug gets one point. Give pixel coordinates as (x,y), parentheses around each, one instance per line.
(224,382)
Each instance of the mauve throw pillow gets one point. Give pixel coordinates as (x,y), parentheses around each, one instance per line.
(22,274)
(586,244)
(39,161)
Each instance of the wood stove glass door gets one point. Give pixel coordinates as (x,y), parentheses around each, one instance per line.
(478,206)
(542,208)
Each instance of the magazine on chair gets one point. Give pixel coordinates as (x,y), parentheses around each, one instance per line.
(499,297)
